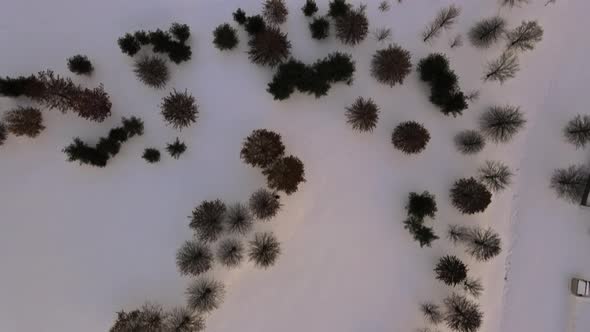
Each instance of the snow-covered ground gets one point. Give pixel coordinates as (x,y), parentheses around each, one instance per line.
(79,243)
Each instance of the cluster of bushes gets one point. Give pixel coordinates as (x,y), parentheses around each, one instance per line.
(107,147)
(419,207)
(315,79)
(171,42)
(351,25)
(152,70)
(56,92)
(444,88)
(265,149)
(153,318)
(522,38)
(459,313)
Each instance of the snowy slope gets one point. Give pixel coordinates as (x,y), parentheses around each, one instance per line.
(79,243)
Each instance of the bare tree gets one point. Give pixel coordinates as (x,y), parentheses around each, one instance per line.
(432,313)
(512,3)
(473,287)
(444,20)
(495,175)
(472,95)
(384,6)
(569,183)
(457,41)
(382,34)
(501,123)
(503,68)
(577,131)
(525,36)
(486,32)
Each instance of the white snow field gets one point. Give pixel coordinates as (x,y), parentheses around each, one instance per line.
(79,243)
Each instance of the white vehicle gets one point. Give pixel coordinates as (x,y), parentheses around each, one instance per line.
(580,287)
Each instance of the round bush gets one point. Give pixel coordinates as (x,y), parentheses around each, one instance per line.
(179,109)
(24,121)
(151,71)
(207,220)
(269,47)
(230,253)
(238,219)
(451,270)
(205,295)
(352,27)
(264,250)
(225,37)
(469,142)
(469,196)
(79,64)
(264,204)
(151,155)
(261,148)
(363,114)
(391,65)
(410,137)
(194,258)
(285,174)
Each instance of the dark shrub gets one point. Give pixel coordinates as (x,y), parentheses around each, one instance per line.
(79,64)
(151,155)
(261,148)
(285,174)
(225,37)
(309,8)
(450,270)
(470,196)
(410,137)
(319,28)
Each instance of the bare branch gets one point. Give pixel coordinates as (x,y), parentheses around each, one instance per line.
(382,34)
(525,36)
(503,68)
(457,41)
(444,20)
